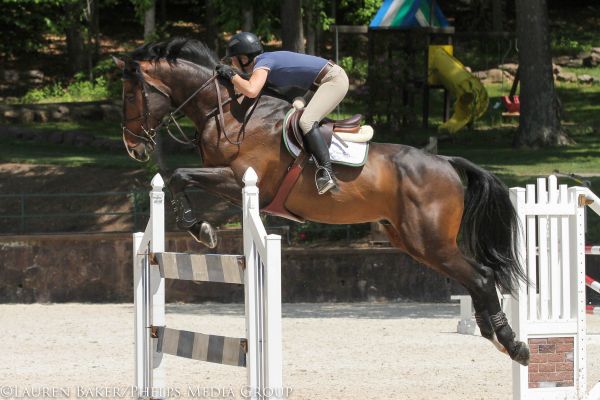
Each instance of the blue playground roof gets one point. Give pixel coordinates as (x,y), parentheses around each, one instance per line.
(408,14)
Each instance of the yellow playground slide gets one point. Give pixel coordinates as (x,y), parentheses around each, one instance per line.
(471,96)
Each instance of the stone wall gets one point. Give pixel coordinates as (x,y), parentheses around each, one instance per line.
(60,112)
(97,268)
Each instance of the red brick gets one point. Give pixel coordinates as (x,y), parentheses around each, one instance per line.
(565,376)
(538,341)
(557,357)
(566,366)
(536,377)
(548,367)
(548,348)
(533,385)
(533,367)
(538,358)
(547,377)
(534,348)
(560,340)
(564,348)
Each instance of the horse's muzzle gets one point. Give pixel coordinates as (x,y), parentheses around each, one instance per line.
(141,151)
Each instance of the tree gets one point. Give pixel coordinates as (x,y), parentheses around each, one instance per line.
(539,123)
(248,16)
(75,35)
(150,21)
(292,35)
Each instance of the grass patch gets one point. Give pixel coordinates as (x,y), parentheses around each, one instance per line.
(16,151)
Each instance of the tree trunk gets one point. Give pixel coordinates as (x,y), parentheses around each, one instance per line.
(309,11)
(539,120)
(150,22)
(74,33)
(497,16)
(212,30)
(248,13)
(292,34)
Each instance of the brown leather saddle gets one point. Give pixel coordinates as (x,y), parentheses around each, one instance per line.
(328,127)
(294,135)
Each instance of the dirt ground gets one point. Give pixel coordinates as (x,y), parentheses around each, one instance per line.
(331,351)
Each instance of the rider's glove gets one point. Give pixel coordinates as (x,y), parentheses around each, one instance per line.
(225,71)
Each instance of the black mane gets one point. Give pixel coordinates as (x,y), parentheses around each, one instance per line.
(172,49)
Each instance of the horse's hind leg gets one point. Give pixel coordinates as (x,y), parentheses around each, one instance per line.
(442,254)
(219,181)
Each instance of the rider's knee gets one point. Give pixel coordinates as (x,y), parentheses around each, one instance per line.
(306,124)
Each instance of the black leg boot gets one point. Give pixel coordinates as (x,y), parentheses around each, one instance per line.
(325,179)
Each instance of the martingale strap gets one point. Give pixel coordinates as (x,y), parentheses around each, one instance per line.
(277,205)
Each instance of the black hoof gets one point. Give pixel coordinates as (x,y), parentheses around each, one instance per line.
(520,353)
(204,233)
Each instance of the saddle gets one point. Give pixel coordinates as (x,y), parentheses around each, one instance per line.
(345,130)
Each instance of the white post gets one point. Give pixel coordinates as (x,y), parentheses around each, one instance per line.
(273,346)
(578,292)
(157,285)
(250,201)
(263,299)
(149,298)
(519,308)
(138,304)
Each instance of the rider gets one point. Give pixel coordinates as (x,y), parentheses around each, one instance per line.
(284,69)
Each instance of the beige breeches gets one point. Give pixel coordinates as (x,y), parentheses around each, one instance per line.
(330,93)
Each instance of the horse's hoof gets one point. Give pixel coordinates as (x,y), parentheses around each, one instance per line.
(520,353)
(204,233)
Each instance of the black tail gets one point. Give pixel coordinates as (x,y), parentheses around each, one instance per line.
(489,224)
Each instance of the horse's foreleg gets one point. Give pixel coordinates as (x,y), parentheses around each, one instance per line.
(218,181)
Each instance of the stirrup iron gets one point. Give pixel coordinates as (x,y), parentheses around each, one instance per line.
(329,184)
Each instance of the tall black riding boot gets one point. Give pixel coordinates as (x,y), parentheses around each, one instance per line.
(325,179)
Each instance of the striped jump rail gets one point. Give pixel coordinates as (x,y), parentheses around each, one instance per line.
(258,270)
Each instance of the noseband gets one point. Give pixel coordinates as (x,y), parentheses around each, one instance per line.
(149,133)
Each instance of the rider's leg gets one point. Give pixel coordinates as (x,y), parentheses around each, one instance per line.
(330,93)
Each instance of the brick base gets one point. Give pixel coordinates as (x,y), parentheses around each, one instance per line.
(551,362)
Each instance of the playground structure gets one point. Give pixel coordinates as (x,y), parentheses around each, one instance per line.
(259,270)
(471,97)
(423,28)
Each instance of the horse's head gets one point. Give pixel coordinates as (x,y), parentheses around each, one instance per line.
(146,100)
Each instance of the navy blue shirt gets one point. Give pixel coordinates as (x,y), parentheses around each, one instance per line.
(287,68)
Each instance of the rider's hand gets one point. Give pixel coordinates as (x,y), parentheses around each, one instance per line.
(225,71)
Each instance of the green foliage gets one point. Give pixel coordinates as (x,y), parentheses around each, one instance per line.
(359,12)
(23,24)
(565,45)
(357,68)
(79,90)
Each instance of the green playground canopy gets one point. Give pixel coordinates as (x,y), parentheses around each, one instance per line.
(408,14)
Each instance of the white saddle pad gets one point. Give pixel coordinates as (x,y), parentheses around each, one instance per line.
(347,153)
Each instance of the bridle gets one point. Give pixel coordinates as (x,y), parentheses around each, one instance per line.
(149,133)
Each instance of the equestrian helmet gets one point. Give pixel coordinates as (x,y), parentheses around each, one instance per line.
(246,43)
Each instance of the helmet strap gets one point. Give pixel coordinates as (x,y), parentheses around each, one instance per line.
(250,60)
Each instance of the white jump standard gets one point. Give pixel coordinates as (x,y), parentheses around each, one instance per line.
(259,270)
(550,313)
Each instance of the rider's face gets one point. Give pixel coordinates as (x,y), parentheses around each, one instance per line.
(236,62)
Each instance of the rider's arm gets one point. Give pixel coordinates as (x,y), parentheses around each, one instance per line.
(251,88)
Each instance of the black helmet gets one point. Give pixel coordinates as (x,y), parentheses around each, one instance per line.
(244,43)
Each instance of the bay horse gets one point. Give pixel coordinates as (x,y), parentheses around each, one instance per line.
(419,197)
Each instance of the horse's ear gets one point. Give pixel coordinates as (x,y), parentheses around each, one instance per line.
(120,63)
(156,83)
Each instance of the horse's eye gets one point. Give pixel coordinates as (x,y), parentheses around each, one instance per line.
(130,98)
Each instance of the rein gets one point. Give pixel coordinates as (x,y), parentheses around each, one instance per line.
(150,133)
